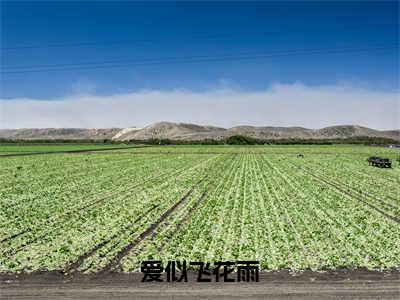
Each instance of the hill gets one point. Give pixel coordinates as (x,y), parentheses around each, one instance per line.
(183,131)
(58,133)
(174,131)
(187,132)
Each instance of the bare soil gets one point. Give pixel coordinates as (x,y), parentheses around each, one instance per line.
(338,284)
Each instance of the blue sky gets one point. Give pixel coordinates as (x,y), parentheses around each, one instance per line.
(41,34)
(189,29)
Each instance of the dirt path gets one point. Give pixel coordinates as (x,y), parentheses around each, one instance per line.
(340,284)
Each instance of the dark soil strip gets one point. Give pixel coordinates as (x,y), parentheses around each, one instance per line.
(357,197)
(281,285)
(71,151)
(339,274)
(113,263)
(75,266)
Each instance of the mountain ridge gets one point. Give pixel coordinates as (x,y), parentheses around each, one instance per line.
(188,131)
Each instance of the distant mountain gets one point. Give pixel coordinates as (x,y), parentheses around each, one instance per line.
(58,133)
(272,132)
(343,131)
(178,131)
(184,131)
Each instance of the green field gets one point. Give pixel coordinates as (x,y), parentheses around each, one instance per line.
(110,210)
(17,148)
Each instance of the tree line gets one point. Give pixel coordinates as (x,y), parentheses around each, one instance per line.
(232,140)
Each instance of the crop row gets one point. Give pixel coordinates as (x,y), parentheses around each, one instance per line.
(55,198)
(270,211)
(56,245)
(94,213)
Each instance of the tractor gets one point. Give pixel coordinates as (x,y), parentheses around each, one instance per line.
(379,162)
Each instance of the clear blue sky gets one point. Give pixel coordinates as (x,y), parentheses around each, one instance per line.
(312,90)
(137,31)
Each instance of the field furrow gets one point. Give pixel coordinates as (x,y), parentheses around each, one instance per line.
(109,212)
